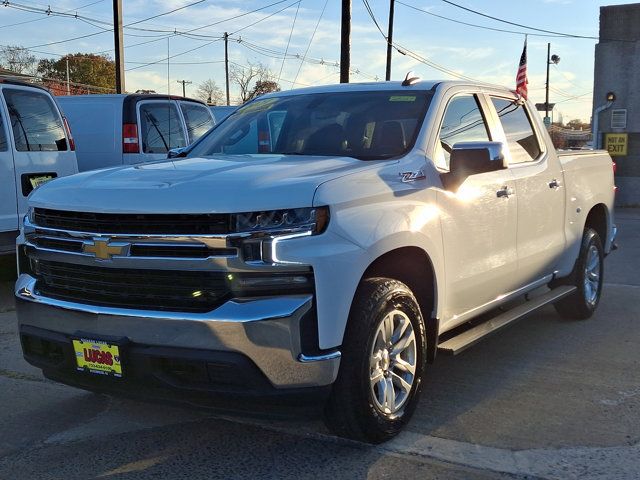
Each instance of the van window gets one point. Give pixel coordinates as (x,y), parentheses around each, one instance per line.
(35,121)
(3,136)
(161,127)
(521,139)
(197,118)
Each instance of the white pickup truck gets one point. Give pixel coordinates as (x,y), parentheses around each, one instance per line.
(324,241)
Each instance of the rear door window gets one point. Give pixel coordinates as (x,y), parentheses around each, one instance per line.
(35,121)
(198,119)
(160,127)
(521,138)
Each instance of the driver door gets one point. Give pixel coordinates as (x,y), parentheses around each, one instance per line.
(479,225)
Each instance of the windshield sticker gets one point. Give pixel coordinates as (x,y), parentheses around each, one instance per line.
(259,106)
(402,98)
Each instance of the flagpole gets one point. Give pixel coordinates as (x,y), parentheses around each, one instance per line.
(546,102)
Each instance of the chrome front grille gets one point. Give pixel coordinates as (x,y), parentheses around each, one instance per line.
(141,248)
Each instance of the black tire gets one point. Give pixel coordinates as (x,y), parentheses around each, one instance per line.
(581,304)
(351,410)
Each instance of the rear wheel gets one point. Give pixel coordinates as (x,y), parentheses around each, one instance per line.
(587,277)
(383,360)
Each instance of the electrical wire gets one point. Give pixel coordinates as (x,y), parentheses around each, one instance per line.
(214,41)
(406,51)
(304,56)
(449,2)
(293,25)
(484,27)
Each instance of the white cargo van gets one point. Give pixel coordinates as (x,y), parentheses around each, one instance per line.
(112,130)
(35,146)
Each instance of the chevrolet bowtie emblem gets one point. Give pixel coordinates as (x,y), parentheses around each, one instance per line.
(102,249)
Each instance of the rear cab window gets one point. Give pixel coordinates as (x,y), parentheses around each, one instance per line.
(197,118)
(522,141)
(160,127)
(35,121)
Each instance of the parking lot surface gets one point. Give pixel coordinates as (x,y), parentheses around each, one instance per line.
(546,398)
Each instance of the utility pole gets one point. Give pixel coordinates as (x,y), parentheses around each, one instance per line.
(118,44)
(390,39)
(345,40)
(184,82)
(68,86)
(226,63)
(546,101)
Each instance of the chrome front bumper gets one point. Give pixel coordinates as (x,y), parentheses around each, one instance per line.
(266,330)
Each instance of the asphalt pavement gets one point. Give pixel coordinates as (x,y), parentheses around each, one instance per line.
(546,398)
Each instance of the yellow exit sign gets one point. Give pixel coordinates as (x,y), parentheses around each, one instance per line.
(616,143)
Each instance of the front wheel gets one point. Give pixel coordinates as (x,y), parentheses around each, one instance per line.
(383,359)
(587,277)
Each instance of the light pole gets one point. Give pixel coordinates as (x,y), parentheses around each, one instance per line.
(551,59)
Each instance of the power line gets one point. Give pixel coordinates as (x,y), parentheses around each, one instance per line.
(165,13)
(517,24)
(405,51)
(484,27)
(309,44)
(293,25)
(212,42)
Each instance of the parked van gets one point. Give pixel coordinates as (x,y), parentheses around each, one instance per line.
(35,147)
(112,130)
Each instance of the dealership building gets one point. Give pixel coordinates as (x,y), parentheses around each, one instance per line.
(616,96)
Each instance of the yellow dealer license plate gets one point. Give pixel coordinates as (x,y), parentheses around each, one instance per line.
(98,357)
(39,180)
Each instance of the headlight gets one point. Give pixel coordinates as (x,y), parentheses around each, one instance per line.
(314,220)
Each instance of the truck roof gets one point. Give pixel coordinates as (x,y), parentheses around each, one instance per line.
(132,97)
(421,85)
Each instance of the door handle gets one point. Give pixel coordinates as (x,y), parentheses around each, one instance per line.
(554,184)
(505,192)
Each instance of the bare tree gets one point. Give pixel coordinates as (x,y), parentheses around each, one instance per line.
(251,80)
(18,59)
(208,91)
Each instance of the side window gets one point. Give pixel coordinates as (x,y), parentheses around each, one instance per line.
(3,136)
(198,120)
(35,121)
(161,127)
(276,120)
(521,138)
(462,122)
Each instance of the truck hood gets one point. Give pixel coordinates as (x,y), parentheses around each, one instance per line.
(219,184)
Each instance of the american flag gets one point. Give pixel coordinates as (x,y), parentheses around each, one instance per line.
(521,77)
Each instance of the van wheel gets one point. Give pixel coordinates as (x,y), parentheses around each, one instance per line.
(383,360)
(587,277)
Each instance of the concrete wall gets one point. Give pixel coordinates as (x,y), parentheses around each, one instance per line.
(617,69)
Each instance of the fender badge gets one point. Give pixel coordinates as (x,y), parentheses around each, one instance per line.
(407,177)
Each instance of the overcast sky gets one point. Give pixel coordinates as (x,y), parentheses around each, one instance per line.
(473,52)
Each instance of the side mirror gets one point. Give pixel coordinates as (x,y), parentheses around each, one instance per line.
(472,158)
(177,152)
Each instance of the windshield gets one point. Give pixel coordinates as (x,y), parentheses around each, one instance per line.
(364,125)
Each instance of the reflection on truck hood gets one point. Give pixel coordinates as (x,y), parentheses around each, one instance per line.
(220,184)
